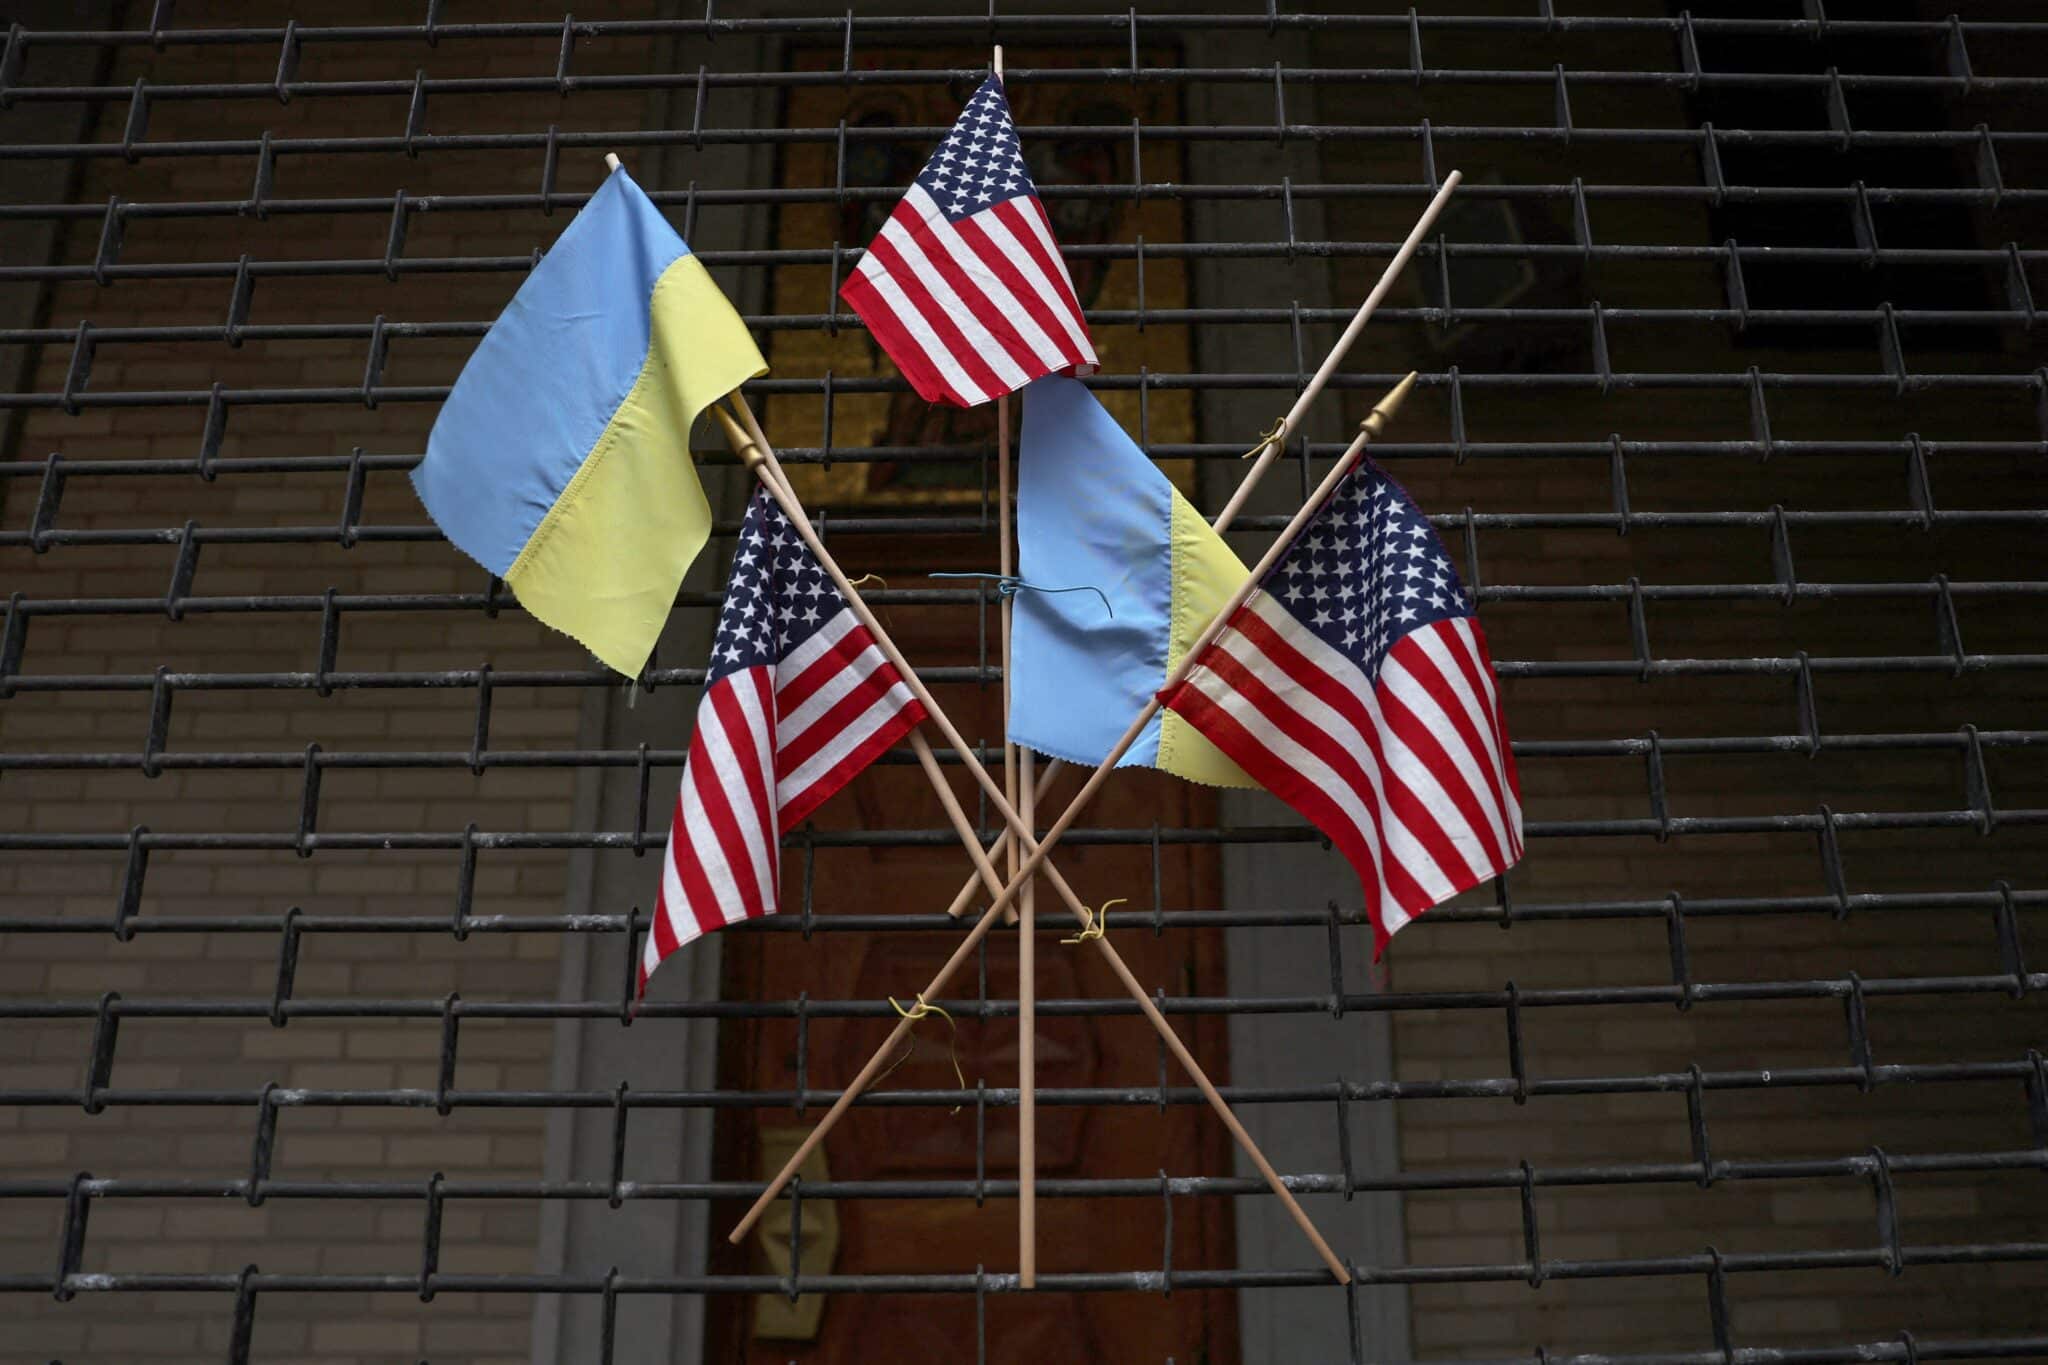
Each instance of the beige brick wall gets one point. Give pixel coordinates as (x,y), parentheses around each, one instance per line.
(1674,1218)
(314,1142)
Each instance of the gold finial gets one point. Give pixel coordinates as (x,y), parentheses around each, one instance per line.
(1383,411)
(742,444)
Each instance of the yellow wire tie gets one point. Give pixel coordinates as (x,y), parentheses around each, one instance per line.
(858,583)
(1098,922)
(1272,434)
(921,1010)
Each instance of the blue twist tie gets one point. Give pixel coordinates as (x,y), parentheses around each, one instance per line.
(1010,585)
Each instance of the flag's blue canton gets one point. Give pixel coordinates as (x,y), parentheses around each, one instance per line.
(1367,569)
(978,165)
(778,596)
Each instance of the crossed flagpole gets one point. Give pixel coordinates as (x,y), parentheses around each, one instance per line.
(1027,856)
(753,450)
(1027,791)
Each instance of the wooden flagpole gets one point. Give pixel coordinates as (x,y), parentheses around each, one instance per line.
(1017,787)
(1267,450)
(1275,441)
(1027,929)
(1017,770)
(753,450)
(1007,562)
(1027,1043)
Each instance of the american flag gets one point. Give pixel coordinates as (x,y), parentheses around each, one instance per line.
(1355,685)
(964,286)
(798,700)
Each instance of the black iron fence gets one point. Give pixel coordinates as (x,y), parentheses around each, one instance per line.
(1825,376)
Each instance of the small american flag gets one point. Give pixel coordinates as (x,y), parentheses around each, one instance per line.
(798,700)
(1355,685)
(964,286)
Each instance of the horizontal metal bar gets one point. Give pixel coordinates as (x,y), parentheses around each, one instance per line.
(1151,1282)
(1524,382)
(1319,918)
(628,139)
(1081,1187)
(1110,25)
(260,603)
(939,453)
(1775,1079)
(1153,1096)
(1240,250)
(1639,669)
(542,84)
(421,143)
(481,760)
(416,840)
(1370,1002)
(1117,317)
(53,537)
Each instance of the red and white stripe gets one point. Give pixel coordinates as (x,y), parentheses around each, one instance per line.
(772,743)
(1410,775)
(973,309)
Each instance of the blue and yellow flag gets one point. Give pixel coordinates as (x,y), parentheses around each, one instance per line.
(561,461)
(1093,511)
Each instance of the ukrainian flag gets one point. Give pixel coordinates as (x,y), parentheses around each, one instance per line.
(1093,511)
(561,461)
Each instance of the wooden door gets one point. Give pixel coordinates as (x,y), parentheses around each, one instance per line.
(953,1235)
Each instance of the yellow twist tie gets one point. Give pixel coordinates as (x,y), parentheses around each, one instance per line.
(1098,922)
(856,585)
(1272,434)
(921,1010)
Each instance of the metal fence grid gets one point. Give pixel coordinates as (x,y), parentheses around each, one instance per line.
(1889,342)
